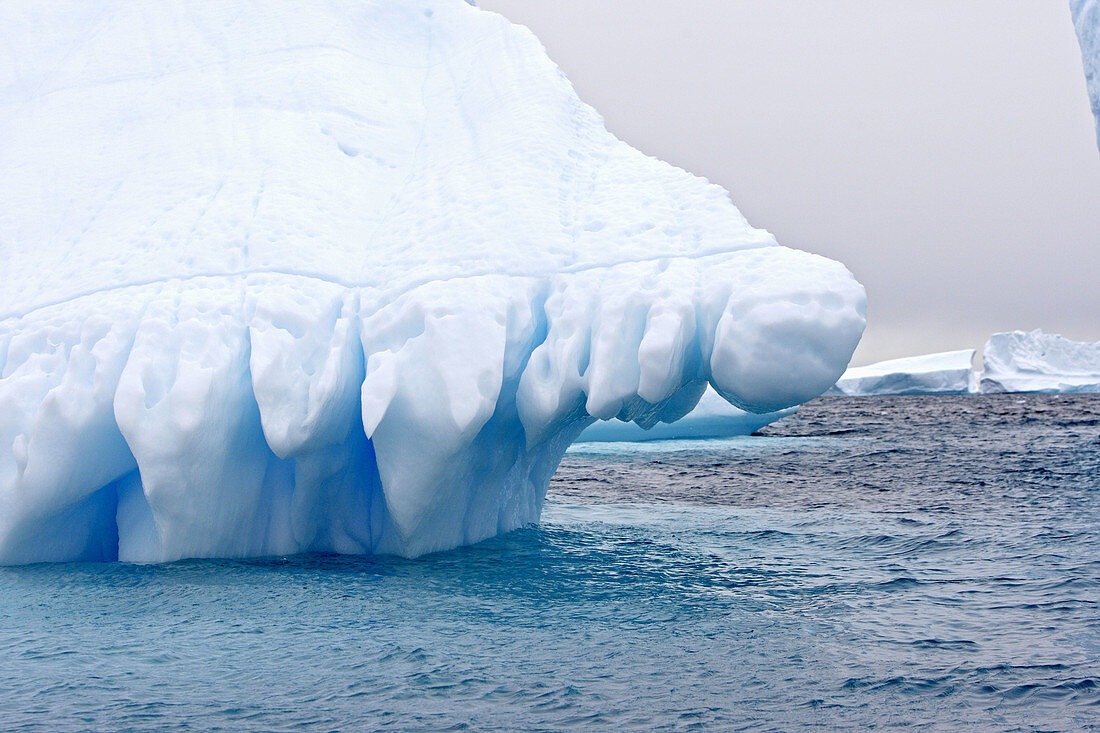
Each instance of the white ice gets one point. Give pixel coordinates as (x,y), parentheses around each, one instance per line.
(712,417)
(1086,19)
(947,372)
(346,276)
(1039,362)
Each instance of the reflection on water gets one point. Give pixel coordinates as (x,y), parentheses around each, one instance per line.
(886,562)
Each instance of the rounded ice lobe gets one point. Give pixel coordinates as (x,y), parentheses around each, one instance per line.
(346,280)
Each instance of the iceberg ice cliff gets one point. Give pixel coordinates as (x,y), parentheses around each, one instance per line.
(948,372)
(1086,19)
(347,277)
(1020,361)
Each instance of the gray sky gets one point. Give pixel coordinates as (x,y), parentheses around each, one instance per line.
(942,149)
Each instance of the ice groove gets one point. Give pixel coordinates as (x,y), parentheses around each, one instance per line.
(332,280)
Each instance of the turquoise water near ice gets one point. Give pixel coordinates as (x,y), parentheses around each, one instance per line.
(928,563)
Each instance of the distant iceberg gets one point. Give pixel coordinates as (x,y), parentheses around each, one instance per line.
(1011,362)
(1039,362)
(948,372)
(1086,19)
(713,417)
(347,277)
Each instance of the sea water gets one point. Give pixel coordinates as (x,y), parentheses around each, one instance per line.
(921,562)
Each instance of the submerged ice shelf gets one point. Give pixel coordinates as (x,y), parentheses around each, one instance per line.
(712,417)
(348,280)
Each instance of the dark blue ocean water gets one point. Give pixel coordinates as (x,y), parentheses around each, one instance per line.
(931,563)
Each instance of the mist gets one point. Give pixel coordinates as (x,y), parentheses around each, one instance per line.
(944,151)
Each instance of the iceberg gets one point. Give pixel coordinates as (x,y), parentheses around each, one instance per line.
(348,278)
(947,372)
(712,417)
(1086,19)
(1039,362)
(1011,362)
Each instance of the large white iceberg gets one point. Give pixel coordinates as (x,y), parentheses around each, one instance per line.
(346,276)
(948,372)
(1086,19)
(713,417)
(1039,362)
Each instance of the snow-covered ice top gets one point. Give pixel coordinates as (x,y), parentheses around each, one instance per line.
(346,276)
(1086,19)
(713,417)
(379,145)
(1039,362)
(947,372)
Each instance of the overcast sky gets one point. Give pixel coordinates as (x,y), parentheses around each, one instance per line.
(942,149)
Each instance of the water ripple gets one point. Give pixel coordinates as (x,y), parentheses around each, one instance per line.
(878,563)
